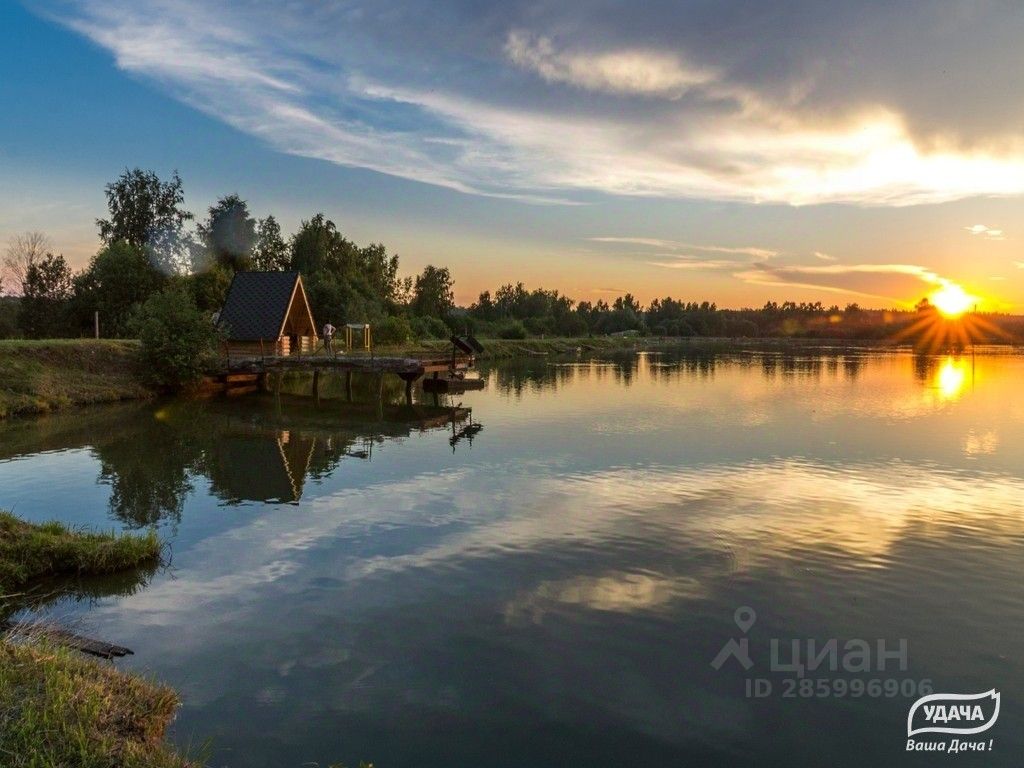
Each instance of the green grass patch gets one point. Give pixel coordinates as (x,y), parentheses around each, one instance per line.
(42,376)
(59,709)
(29,551)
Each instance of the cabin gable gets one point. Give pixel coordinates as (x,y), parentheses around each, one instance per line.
(267,313)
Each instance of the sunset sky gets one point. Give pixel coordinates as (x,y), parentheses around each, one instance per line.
(731,150)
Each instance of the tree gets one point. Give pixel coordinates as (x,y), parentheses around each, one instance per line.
(270,253)
(177,338)
(210,287)
(344,282)
(318,246)
(228,235)
(23,251)
(433,295)
(149,214)
(45,293)
(117,280)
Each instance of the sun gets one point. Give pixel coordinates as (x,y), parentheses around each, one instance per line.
(952,300)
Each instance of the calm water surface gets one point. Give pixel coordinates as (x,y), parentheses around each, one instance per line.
(354,583)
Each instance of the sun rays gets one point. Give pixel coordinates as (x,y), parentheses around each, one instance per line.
(946,321)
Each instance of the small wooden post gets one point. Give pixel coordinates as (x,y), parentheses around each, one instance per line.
(348,385)
(96,322)
(408,391)
(316,385)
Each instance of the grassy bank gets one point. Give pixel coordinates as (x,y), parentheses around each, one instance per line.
(42,376)
(58,708)
(29,552)
(495,349)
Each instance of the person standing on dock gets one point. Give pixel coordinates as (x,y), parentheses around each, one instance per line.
(328,334)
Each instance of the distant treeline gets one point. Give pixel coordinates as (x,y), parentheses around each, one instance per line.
(151,244)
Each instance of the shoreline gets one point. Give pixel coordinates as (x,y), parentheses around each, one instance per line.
(48,376)
(56,704)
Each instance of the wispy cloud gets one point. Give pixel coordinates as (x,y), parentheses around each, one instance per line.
(694,264)
(492,100)
(988,233)
(876,281)
(676,245)
(647,73)
(824,256)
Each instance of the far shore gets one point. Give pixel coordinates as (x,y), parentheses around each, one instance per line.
(41,376)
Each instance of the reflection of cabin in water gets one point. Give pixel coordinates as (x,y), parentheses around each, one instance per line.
(268,313)
(260,467)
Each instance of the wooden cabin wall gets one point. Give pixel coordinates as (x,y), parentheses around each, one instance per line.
(243,350)
(297,321)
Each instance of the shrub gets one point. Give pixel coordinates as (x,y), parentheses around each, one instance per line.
(429,328)
(513,329)
(177,339)
(392,330)
(539,326)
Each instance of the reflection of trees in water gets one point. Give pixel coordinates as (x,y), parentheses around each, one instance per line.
(147,467)
(249,451)
(519,376)
(924,365)
(53,592)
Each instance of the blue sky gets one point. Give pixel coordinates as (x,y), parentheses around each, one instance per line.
(734,151)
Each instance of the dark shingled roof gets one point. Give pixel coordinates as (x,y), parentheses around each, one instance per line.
(256,305)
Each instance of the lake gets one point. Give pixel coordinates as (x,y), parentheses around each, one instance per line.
(551,586)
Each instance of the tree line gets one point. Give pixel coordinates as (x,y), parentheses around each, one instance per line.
(152,245)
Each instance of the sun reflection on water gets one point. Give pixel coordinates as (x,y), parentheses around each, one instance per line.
(951,378)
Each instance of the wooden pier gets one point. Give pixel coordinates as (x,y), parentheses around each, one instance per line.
(250,374)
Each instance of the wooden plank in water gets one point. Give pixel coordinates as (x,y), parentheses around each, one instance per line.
(81,643)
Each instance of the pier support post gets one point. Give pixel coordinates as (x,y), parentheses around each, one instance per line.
(408,391)
(348,385)
(316,385)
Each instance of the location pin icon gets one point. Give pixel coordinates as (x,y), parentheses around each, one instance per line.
(744,618)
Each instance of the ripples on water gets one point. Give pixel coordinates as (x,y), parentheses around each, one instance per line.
(352,582)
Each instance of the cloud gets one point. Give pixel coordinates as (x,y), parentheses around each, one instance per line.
(986,232)
(648,73)
(675,245)
(693,263)
(876,281)
(546,101)
(824,256)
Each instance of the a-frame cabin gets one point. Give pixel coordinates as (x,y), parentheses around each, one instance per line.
(267,313)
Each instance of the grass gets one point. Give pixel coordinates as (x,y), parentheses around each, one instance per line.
(60,709)
(42,376)
(29,552)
